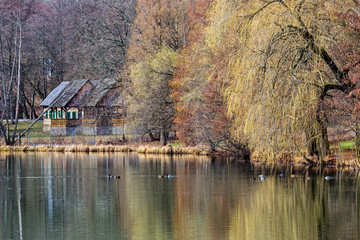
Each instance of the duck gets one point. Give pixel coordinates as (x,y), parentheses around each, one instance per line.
(262,178)
(165,176)
(327,178)
(281,175)
(113,176)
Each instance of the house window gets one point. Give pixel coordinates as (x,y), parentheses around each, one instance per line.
(68,114)
(74,115)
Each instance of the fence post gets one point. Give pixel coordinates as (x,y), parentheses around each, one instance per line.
(123,129)
(73,133)
(94,134)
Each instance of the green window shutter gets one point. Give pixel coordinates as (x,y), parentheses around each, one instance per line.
(59,114)
(46,115)
(54,115)
(49,114)
(67,115)
(74,115)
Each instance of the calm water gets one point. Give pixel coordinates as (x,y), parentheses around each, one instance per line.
(68,196)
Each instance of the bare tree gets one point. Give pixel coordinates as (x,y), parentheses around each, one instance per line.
(14,15)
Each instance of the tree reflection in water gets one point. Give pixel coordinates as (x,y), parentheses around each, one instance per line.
(69,196)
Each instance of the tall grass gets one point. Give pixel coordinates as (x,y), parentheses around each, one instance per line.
(143,149)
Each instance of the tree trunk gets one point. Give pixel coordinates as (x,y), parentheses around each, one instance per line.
(31,105)
(317,138)
(33,112)
(11,108)
(17,106)
(4,112)
(24,109)
(323,146)
(311,147)
(357,143)
(152,137)
(163,139)
(212,146)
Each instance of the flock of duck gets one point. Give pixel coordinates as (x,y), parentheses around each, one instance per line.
(110,176)
(260,177)
(165,176)
(282,175)
(113,176)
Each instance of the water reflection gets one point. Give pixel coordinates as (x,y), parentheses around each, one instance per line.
(68,196)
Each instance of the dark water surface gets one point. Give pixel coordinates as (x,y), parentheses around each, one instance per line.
(68,196)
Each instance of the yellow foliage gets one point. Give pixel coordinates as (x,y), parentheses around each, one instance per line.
(275,74)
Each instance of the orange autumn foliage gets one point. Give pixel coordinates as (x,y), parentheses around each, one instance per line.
(197,87)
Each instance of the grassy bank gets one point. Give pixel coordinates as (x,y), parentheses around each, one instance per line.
(143,149)
(342,150)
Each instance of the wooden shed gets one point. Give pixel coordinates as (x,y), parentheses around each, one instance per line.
(81,104)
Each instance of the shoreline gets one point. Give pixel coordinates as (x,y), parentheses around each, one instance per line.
(142,149)
(347,165)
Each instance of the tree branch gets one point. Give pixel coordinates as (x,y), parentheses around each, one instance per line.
(347,68)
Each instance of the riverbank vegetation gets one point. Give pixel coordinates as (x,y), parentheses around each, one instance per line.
(142,149)
(277,80)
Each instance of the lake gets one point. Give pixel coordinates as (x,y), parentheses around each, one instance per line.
(69,196)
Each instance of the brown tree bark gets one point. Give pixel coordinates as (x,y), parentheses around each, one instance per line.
(163,138)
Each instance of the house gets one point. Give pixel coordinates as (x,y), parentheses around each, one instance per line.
(85,106)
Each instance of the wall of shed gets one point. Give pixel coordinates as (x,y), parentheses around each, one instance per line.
(60,122)
(87,130)
(59,131)
(69,127)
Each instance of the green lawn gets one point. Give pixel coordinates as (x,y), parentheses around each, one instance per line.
(347,144)
(36,131)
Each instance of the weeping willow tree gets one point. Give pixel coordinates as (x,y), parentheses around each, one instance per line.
(280,69)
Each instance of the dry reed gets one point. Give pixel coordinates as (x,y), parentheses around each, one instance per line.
(100,147)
